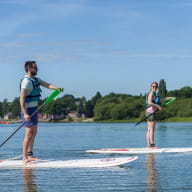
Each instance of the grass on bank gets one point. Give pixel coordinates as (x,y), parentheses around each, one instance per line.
(135,120)
(179,119)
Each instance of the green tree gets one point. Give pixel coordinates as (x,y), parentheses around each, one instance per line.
(121,111)
(5,106)
(81,105)
(103,112)
(53,108)
(90,105)
(15,108)
(119,107)
(95,99)
(184,92)
(162,88)
(69,102)
(1,110)
(89,109)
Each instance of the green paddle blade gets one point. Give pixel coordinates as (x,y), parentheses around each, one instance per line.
(52,96)
(170,101)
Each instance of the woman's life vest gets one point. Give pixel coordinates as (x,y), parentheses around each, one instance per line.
(156,99)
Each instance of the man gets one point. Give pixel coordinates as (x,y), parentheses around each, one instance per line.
(30,93)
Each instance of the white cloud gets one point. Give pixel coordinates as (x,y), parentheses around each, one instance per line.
(11,44)
(168,56)
(30,35)
(26,11)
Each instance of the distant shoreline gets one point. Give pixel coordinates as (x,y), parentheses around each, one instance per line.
(91,120)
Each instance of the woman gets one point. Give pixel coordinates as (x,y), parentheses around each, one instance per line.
(153,102)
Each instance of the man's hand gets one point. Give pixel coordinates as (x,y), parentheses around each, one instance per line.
(61,89)
(27,117)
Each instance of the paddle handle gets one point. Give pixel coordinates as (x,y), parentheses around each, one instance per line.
(52,96)
(170,101)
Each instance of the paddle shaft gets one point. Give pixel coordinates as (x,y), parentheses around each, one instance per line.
(49,99)
(146,117)
(167,103)
(21,126)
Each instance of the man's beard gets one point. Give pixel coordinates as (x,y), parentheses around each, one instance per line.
(34,73)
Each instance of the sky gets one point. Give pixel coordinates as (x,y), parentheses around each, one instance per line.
(87,46)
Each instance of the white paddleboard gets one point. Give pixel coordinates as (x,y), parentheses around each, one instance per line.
(145,150)
(69,163)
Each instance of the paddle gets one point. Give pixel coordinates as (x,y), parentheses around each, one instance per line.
(167,103)
(49,99)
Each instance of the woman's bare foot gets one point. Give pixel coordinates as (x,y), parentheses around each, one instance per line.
(27,162)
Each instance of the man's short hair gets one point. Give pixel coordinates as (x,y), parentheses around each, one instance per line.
(29,64)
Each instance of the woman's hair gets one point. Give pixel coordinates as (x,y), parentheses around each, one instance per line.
(154,83)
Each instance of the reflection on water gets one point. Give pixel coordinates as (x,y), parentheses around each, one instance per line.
(29,180)
(163,126)
(152,173)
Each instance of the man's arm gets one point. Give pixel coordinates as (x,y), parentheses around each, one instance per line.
(22,104)
(48,86)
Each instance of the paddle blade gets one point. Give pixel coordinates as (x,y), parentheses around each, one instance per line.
(52,96)
(170,101)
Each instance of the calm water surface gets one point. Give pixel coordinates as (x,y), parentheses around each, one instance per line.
(153,173)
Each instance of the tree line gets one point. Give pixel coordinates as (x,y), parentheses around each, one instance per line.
(60,106)
(113,106)
(126,107)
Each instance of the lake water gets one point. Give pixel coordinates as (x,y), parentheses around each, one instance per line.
(150,173)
